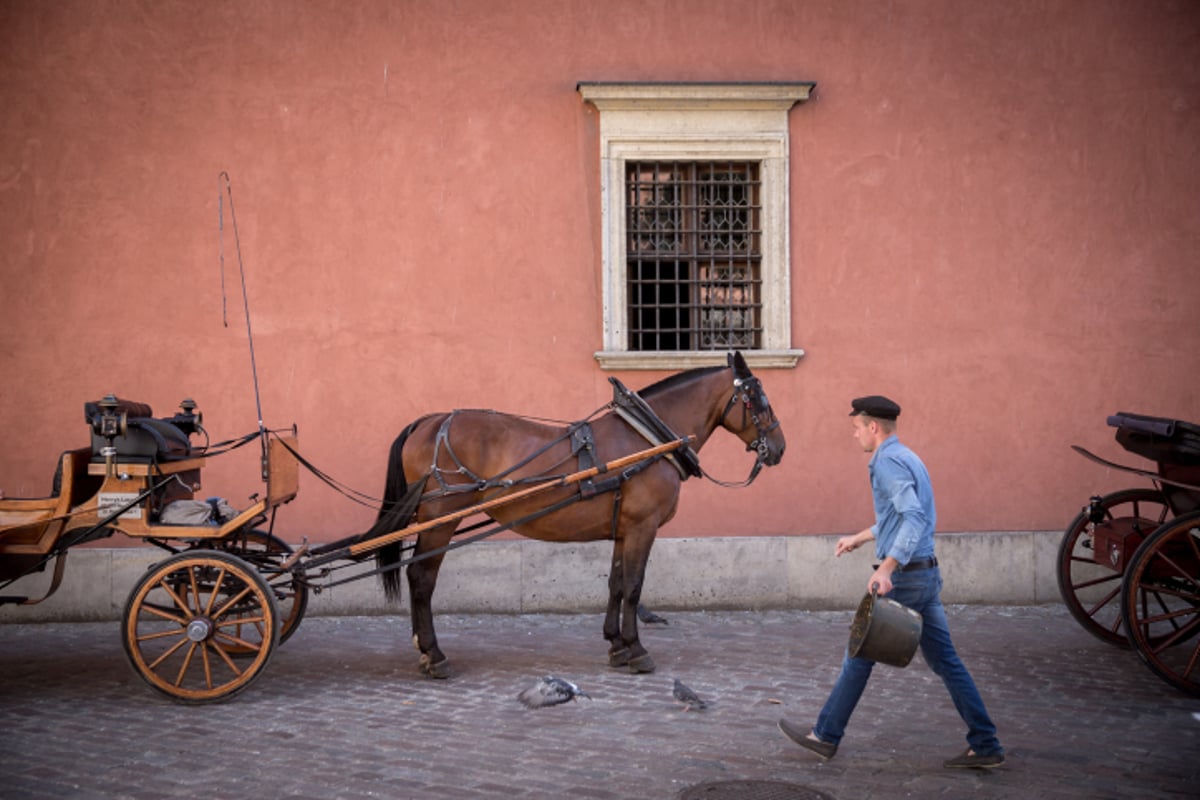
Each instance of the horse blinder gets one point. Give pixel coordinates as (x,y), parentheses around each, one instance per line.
(755,405)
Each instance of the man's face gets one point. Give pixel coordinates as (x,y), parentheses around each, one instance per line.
(864,433)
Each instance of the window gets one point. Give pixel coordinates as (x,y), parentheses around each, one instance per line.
(694,209)
(692,255)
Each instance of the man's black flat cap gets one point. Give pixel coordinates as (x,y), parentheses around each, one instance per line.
(874,406)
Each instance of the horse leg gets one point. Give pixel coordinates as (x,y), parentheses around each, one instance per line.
(636,552)
(618,653)
(422,579)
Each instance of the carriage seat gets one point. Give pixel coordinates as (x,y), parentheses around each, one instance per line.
(146,439)
(19,516)
(1167,441)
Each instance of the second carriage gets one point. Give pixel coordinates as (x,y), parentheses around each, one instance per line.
(1129,564)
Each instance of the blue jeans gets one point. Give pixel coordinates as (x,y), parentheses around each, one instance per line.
(920,590)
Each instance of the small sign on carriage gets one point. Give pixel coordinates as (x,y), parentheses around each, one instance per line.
(111,502)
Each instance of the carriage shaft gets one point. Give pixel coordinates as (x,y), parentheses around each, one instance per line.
(565,480)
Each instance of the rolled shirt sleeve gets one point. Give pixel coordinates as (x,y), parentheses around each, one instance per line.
(904,510)
(912,520)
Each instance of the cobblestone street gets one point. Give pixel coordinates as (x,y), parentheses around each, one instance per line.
(341,712)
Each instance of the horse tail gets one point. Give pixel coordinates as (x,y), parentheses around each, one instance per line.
(400,501)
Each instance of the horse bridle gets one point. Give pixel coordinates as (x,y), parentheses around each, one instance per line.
(749,392)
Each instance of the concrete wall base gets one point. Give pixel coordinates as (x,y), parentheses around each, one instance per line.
(524,576)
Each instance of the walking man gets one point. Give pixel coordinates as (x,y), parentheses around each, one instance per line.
(908,573)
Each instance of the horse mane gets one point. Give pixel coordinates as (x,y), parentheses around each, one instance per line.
(676,379)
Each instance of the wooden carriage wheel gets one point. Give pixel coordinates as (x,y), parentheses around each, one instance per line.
(266,553)
(1092,591)
(1161,602)
(185,616)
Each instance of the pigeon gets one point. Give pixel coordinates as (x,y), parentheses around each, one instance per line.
(550,691)
(691,701)
(649,617)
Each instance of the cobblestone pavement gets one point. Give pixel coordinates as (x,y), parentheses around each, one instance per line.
(341,712)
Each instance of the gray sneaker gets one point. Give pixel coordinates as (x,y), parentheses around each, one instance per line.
(808,740)
(972,760)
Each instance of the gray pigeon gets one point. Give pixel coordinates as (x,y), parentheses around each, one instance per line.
(691,701)
(649,617)
(550,691)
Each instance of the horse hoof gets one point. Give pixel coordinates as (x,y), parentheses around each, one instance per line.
(643,663)
(439,670)
(618,658)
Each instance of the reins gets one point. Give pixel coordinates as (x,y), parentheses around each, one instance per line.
(749,389)
(349,548)
(745,390)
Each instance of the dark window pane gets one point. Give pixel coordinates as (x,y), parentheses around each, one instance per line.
(693,255)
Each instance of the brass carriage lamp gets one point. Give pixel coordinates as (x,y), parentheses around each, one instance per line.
(109,424)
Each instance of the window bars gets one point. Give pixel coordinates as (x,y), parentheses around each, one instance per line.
(693,255)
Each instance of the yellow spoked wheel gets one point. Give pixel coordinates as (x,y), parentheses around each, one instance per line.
(266,553)
(189,615)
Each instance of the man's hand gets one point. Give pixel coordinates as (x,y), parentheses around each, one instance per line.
(847,544)
(882,576)
(880,580)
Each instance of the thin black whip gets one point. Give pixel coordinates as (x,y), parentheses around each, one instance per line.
(228,191)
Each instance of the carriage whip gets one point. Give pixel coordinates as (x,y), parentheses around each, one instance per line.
(237,242)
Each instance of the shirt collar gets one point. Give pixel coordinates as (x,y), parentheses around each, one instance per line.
(882,446)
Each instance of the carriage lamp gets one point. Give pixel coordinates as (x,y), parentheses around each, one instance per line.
(108,423)
(188,419)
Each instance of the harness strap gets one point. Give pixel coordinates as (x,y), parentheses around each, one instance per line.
(616,514)
(478,482)
(638,414)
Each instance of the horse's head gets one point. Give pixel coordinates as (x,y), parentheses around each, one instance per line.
(757,425)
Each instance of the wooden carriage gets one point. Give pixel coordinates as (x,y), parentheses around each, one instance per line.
(201,624)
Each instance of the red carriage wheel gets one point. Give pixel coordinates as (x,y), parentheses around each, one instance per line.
(186,618)
(1091,587)
(1161,602)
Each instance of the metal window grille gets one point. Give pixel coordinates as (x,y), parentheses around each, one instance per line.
(693,255)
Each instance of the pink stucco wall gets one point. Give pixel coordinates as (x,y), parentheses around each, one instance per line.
(995,220)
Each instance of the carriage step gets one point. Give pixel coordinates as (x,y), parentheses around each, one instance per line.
(12,598)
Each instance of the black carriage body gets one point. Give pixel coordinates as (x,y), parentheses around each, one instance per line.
(1174,445)
(1129,564)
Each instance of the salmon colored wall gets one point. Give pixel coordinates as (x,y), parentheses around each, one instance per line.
(995,220)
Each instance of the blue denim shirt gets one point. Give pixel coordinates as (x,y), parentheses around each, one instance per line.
(904,512)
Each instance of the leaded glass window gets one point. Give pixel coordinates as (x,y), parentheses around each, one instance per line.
(693,255)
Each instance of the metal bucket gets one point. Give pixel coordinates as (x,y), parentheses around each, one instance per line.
(885,631)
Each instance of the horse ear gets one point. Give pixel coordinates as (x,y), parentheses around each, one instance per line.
(740,368)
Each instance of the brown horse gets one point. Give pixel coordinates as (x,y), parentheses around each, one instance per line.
(444,463)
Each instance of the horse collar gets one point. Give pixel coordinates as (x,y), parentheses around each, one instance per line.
(638,414)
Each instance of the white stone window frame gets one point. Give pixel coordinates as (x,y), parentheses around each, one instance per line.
(696,122)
